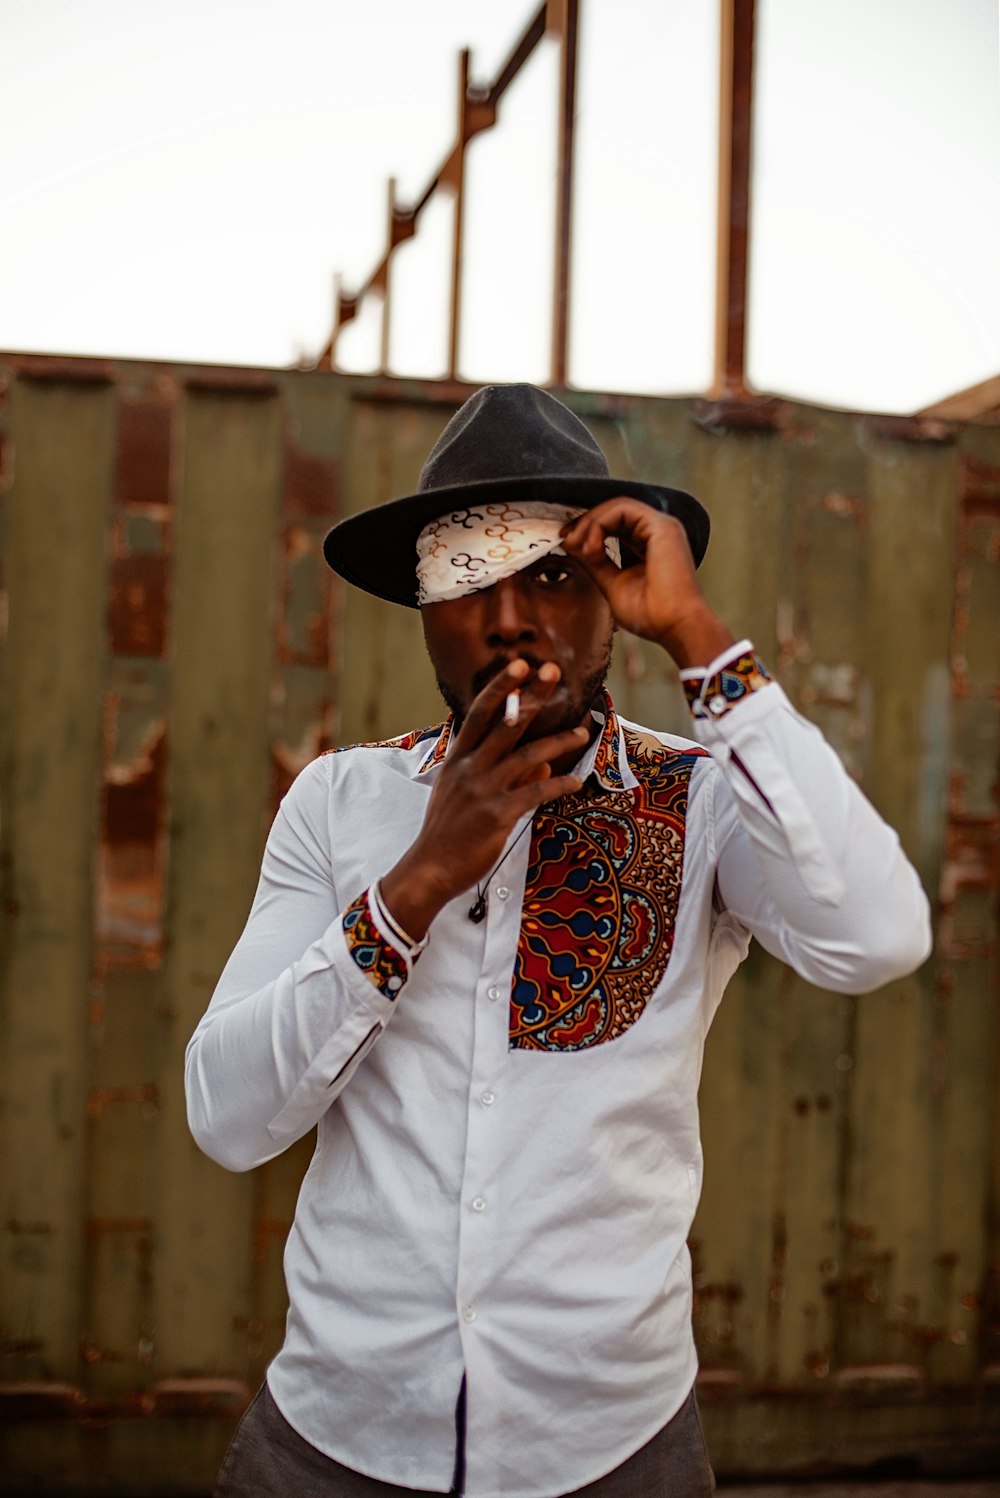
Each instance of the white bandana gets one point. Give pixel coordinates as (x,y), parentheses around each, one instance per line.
(471,549)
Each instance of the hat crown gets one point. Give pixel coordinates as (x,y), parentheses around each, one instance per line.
(511,431)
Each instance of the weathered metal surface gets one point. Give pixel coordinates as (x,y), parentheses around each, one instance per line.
(53,662)
(177,651)
(217,787)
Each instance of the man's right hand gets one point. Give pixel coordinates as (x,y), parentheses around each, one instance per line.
(490,778)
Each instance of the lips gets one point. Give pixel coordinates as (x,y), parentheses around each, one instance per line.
(499,663)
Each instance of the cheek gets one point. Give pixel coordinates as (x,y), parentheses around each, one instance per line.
(447,633)
(593,633)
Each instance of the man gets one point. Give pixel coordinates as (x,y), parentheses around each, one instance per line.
(483,958)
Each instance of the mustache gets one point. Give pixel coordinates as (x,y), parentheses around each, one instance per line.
(499,663)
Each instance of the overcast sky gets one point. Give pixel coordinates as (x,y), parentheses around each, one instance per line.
(183,180)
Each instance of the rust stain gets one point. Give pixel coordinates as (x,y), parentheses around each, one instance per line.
(972,855)
(311,485)
(304,628)
(129,866)
(720,1378)
(753,414)
(230,380)
(145,434)
(25,1398)
(847,507)
(61,369)
(802,1106)
(880,1374)
(134,791)
(137,614)
(264,1229)
(196,1396)
(910,428)
(99,1097)
(980,488)
(92,1355)
(97,1227)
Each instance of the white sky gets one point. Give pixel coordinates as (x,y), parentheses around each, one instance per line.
(182,180)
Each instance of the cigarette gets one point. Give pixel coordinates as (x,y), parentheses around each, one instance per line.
(512,709)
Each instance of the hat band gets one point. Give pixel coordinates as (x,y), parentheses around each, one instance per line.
(468,550)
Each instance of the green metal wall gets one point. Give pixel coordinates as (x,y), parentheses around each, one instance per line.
(174,650)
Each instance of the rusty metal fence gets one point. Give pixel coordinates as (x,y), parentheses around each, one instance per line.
(174,650)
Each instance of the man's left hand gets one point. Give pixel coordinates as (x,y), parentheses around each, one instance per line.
(658,597)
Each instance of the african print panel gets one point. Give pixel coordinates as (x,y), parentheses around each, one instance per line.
(600,902)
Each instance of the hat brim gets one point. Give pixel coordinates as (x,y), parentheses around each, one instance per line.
(377,549)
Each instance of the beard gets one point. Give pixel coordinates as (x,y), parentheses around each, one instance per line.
(587,695)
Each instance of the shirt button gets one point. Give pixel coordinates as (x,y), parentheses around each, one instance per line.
(502,891)
(468,1313)
(478,1204)
(488,1098)
(716,705)
(493,993)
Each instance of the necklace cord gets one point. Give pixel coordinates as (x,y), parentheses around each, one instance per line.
(477,911)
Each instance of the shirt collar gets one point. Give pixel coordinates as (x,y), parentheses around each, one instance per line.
(605,758)
(438,747)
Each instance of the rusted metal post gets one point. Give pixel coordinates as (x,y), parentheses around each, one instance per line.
(735,110)
(390,239)
(458,184)
(562,18)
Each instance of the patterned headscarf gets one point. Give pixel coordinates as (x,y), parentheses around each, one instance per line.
(471,549)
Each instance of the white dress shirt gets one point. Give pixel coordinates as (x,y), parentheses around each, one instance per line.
(508,1158)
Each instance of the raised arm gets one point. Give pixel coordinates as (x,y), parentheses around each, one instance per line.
(804,860)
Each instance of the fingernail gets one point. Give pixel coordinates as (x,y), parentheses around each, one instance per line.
(518,668)
(548,671)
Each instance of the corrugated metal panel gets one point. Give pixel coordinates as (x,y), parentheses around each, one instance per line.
(177,651)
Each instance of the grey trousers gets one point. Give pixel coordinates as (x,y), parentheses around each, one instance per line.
(268,1459)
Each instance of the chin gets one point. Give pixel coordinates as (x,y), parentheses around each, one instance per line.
(557,715)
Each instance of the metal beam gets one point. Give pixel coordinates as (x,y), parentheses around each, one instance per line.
(564,18)
(479,112)
(735,112)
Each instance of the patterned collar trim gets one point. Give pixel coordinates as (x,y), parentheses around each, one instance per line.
(608,769)
(440,746)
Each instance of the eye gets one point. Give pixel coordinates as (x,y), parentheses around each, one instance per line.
(552,572)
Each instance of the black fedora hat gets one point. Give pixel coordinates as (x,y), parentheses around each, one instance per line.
(507,443)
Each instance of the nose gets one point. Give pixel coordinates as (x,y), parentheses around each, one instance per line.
(509,619)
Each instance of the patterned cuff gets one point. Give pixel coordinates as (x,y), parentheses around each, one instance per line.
(717,692)
(381,962)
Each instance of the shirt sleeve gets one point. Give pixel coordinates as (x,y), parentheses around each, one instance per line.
(804,860)
(305,995)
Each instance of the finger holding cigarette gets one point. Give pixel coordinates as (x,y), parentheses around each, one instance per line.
(512,709)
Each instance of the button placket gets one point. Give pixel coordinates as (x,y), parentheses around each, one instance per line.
(482,1194)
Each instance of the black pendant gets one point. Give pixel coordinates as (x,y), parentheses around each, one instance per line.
(477,912)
